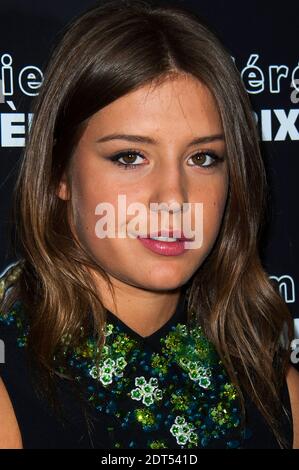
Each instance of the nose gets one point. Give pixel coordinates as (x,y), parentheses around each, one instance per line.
(169,189)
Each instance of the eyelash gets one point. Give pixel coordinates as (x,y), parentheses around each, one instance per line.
(126,166)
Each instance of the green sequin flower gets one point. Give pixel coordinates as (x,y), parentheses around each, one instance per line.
(197,372)
(109,368)
(148,392)
(183,431)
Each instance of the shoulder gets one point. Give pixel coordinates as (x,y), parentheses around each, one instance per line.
(10,435)
(292,379)
(12,340)
(11,377)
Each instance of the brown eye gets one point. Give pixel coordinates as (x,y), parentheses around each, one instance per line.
(201,157)
(129,158)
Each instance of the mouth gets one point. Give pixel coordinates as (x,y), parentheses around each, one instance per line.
(172,244)
(167,236)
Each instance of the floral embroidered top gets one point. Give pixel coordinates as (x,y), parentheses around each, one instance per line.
(164,391)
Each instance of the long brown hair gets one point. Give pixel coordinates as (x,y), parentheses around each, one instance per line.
(109,51)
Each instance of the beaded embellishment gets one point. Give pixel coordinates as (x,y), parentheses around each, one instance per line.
(177,396)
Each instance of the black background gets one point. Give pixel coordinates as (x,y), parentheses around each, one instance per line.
(28,29)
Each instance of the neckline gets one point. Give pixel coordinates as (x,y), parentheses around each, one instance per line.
(179,315)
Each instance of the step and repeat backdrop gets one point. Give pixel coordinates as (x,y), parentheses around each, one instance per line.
(263,41)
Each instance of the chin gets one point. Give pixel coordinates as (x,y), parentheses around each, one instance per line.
(165,283)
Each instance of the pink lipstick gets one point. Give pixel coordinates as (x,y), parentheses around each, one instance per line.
(166,248)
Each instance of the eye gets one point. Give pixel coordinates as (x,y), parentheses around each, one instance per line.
(200,157)
(129,155)
(129,159)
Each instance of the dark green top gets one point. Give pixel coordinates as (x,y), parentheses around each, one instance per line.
(167,390)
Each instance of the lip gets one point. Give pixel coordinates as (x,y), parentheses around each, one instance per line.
(164,248)
(167,233)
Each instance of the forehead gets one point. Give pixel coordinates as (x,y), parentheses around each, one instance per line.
(181,104)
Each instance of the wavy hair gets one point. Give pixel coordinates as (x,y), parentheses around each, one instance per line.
(104,53)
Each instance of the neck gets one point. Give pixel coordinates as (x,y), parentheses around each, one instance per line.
(142,310)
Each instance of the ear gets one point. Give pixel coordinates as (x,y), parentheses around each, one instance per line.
(63,190)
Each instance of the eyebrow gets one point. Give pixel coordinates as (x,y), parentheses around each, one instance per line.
(150,140)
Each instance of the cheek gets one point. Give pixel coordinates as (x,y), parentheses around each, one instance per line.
(88,191)
(213,210)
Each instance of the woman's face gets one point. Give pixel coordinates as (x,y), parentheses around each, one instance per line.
(167,170)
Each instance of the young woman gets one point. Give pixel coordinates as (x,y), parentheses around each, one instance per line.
(138,341)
